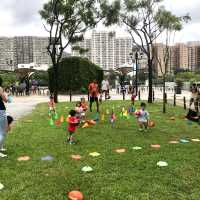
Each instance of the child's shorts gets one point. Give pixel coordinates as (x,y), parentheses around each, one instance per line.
(83,114)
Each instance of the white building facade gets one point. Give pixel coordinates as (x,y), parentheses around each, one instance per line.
(106,50)
(23,50)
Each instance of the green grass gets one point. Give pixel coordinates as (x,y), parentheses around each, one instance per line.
(129,176)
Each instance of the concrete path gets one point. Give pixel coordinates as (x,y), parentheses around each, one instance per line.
(22,106)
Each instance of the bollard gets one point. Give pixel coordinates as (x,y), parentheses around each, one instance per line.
(184,102)
(174,99)
(139,95)
(123,92)
(165,98)
(153,95)
(70,96)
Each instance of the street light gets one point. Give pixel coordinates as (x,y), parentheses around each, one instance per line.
(135,61)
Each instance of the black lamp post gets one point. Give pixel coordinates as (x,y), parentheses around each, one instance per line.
(135,61)
(136,72)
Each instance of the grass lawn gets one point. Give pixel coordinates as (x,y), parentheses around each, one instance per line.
(132,175)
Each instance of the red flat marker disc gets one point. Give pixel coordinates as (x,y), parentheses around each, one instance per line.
(75,195)
(76,157)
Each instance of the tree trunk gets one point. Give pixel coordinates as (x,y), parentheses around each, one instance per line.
(150,71)
(56,83)
(164,96)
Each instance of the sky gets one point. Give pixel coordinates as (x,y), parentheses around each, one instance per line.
(21,17)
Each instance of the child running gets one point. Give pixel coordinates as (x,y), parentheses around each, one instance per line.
(142,117)
(79,110)
(52,105)
(85,108)
(73,122)
(133,97)
(84,104)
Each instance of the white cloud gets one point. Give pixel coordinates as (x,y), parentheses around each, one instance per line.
(20,17)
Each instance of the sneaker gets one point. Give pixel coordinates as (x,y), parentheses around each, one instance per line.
(3,155)
(140,129)
(3,150)
(72,142)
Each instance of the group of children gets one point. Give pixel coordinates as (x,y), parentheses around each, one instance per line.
(78,115)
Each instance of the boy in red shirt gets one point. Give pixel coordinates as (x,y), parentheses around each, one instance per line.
(73,122)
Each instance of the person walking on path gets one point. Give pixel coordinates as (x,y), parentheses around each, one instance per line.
(3,118)
(105,88)
(93,89)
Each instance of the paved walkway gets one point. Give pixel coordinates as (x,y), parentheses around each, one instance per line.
(24,105)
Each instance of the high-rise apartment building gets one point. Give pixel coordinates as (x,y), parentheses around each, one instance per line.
(110,52)
(182,53)
(106,50)
(40,55)
(6,53)
(123,48)
(103,49)
(181,56)
(23,50)
(193,56)
(86,45)
(159,51)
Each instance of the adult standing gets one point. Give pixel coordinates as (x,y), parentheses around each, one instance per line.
(93,89)
(193,96)
(105,88)
(3,118)
(198,98)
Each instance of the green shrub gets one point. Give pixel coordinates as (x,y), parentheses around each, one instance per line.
(8,78)
(74,74)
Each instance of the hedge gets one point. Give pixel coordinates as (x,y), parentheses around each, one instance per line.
(74,74)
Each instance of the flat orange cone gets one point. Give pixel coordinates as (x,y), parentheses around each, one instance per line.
(91,122)
(86,125)
(61,119)
(58,123)
(151,123)
(172,118)
(75,195)
(76,157)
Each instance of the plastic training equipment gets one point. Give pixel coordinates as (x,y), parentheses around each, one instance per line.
(75,195)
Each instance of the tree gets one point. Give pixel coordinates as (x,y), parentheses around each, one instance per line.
(66,21)
(140,19)
(74,74)
(170,24)
(112,77)
(41,77)
(188,76)
(8,78)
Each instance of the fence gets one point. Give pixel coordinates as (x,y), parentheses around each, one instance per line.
(170,97)
(36,91)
